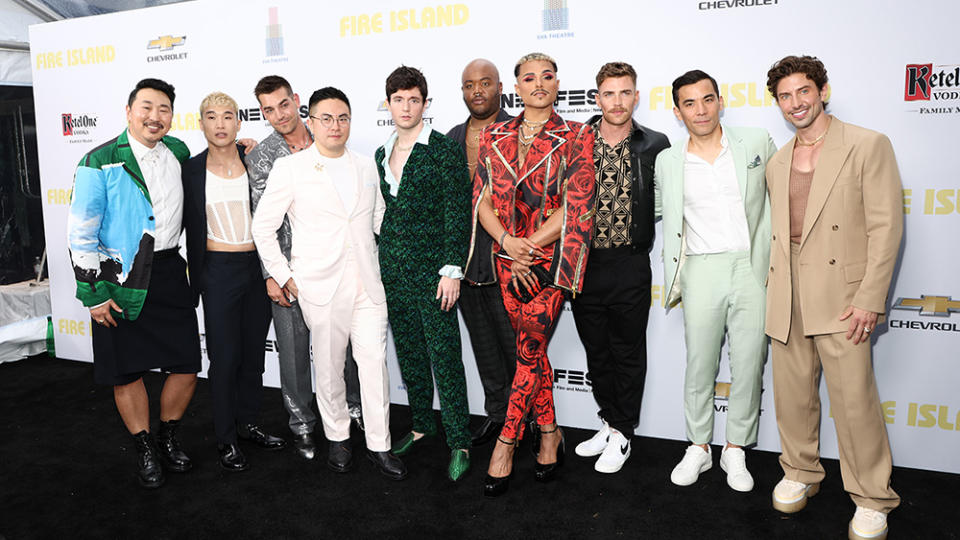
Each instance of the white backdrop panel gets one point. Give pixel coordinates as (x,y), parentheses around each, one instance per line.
(86,67)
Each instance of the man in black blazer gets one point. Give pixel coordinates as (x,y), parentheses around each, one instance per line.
(611,312)
(225,271)
(491,334)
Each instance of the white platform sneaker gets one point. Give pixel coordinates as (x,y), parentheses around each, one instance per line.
(596,444)
(867,524)
(790,496)
(733,461)
(615,454)
(695,461)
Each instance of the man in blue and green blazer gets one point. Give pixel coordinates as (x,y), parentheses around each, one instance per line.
(124,229)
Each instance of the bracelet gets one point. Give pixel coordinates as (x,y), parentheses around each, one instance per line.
(502,237)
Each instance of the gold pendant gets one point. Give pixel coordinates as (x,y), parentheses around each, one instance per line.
(318,167)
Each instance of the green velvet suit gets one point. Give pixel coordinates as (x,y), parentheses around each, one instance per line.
(426,227)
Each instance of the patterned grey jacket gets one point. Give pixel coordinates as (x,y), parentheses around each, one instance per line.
(260,162)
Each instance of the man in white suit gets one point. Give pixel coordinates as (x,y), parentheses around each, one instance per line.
(332,198)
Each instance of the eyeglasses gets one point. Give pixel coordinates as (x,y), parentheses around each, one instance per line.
(327,121)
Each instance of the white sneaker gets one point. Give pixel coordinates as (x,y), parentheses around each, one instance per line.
(790,496)
(694,462)
(615,454)
(596,444)
(734,462)
(867,524)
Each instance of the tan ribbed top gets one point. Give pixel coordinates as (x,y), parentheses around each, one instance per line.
(799,191)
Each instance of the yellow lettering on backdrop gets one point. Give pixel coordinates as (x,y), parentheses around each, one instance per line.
(59,196)
(889,411)
(70,326)
(401,20)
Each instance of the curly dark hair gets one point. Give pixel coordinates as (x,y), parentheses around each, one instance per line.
(405,78)
(811,66)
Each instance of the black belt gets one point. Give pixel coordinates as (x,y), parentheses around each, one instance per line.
(166,253)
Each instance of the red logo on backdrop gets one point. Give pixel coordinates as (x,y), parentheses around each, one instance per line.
(67,124)
(918,82)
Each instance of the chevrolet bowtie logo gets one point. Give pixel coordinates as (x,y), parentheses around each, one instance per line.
(165,43)
(937,306)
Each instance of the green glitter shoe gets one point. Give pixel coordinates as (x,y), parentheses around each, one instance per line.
(459,464)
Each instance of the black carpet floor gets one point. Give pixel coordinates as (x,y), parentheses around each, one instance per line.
(67,471)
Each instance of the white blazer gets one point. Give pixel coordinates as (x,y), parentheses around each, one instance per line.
(322,229)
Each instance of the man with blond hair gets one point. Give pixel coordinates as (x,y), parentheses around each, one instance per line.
(225,271)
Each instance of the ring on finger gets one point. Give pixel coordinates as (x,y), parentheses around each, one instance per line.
(866,329)
(530,253)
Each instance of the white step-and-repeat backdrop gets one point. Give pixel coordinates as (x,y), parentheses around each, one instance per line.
(887,72)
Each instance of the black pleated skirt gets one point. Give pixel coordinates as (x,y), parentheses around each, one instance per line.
(164,336)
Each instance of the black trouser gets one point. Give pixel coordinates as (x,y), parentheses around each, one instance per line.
(236,314)
(494,344)
(611,317)
(352,378)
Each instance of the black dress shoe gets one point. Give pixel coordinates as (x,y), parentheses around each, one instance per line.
(253,433)
(231,458)
(547,472)
(149,471)
(487,432)
(172,456)
(305,445)
(340,457)
(388,464)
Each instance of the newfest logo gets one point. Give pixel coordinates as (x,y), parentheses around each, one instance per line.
(572,380)
(936,83)
(254,114)
(936,202)
(274,40)
(731,4)
(383,122)
(568,101)
(940,307)
(164,44)
(77,127)
(555,20)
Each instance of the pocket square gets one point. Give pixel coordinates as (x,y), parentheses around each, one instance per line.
(755,163)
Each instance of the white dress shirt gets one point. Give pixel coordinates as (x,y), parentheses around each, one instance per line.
(714,219)
(161,172)
(344,175)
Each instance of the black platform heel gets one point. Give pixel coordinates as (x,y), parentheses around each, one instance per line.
(547,472)
(495,486)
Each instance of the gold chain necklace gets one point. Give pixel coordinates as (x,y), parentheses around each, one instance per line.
(815,141)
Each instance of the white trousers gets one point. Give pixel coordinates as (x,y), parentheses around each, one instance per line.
(351,317)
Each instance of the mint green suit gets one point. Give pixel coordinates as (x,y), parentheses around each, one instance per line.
(723,291)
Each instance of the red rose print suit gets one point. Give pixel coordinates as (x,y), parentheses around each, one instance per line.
(557,176)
